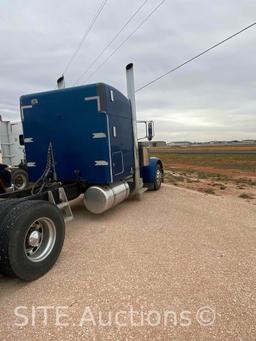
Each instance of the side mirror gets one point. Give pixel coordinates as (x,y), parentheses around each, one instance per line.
(150,130)
(21,139)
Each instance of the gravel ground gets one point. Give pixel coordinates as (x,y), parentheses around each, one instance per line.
(145,271)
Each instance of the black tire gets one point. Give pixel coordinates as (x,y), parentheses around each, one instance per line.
(20,179)
(20,259)
(158,177)
(5,206)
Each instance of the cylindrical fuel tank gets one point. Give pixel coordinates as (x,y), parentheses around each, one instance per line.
(98,199)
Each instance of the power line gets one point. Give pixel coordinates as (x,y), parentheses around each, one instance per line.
(195,57)
(100,9)
(112,40)
(130,35)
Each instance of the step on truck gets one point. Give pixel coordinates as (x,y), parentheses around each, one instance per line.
(78,141)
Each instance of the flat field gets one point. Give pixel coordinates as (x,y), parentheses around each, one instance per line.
(218,170)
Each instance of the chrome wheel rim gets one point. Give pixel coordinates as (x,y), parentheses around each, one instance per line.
(40,239)
(158,177)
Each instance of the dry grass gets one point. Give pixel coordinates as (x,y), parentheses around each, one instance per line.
(220,174)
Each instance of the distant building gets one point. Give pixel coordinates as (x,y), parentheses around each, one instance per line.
(157,143)
(248,141)
(210,143)
(179,143)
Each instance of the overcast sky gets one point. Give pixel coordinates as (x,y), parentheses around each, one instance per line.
(211,98)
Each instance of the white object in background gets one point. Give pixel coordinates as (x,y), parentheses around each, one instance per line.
(12,151)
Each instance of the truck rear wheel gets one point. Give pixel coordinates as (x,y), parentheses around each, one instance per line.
(20,179)
(32,234)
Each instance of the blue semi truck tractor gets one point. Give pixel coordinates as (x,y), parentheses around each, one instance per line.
(78,141)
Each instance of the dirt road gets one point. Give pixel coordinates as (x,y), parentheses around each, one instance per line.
(177,265)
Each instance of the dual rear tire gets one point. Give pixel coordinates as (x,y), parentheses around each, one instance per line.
(32,234)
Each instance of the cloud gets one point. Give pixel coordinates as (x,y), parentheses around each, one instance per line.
(211,98)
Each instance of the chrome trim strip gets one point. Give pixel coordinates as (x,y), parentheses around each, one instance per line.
(101,163)
(98,135)
(31,164)
(94,98)
(22,110)
(28,140)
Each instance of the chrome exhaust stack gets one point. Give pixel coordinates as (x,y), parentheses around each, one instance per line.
(61,82)
(131,95)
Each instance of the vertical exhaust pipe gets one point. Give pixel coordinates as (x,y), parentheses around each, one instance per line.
(131,96)
(61,82)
